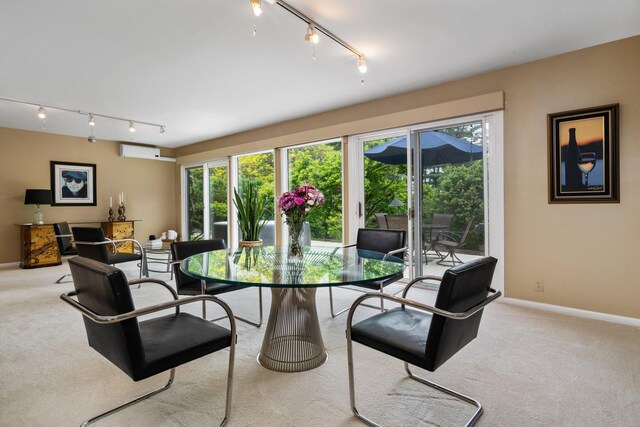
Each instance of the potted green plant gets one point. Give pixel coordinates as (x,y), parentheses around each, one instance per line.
(250,208)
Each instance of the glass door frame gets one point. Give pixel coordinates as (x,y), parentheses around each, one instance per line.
(206,226)
(493,171)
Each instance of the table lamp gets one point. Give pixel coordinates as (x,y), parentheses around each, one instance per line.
(37,197)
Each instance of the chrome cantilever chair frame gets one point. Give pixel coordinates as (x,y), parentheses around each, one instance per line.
(176,303)
(381,284)
(411,303)
(68,274)
(203,286)
(143,260)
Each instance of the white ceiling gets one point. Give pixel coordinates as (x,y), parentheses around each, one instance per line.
(195,67)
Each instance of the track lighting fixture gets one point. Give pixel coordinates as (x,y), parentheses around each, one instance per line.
(257,7)
(362,64)
(42,113)
(312,29)
(312,35)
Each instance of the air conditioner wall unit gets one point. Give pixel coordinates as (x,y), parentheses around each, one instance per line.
(141,152)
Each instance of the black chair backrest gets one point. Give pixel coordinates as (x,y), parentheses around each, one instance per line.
(64,243)
(182,250)
(375,239)
(104,290)
(91,234)
(461,288)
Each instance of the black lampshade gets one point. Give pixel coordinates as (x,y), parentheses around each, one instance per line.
(37,197)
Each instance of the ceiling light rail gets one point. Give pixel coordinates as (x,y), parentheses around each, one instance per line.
(362,65)
(92,116)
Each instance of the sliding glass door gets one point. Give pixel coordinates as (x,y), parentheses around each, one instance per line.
(206,200)
(432,181)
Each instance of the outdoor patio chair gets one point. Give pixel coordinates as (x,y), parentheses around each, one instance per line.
(451,242)
(429,336)
(389,242)
(144,348)
(186,285)
(440,223)
(382,220)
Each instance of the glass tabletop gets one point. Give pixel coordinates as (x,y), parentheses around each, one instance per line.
(274,266)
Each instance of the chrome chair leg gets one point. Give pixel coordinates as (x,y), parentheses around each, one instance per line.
(131,402)
(381,307)
(242,319)
(450,392)
(67,281)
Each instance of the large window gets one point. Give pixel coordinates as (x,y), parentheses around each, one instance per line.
(194,199)
(259,168)
(320,165)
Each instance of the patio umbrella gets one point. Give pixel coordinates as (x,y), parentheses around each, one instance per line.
(437,149)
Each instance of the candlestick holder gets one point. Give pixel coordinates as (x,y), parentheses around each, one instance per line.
(121,211)
(111,218)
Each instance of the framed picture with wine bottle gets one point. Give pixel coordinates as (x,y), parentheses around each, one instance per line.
(583,155)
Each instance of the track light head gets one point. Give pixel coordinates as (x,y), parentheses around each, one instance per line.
(362,64)
(42,113)
(92,120)
(257,7)
(161,130)
(132,127)
(312,35)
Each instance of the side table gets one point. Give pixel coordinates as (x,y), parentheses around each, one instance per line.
(38,246)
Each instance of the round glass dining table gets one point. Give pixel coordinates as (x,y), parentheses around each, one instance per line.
(292,341)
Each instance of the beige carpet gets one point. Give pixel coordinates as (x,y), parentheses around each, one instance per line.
(528,368)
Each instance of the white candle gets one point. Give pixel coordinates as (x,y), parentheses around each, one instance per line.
(110,201)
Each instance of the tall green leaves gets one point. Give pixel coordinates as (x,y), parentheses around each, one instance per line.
(251,210)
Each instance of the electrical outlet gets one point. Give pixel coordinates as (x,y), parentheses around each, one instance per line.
(539,286)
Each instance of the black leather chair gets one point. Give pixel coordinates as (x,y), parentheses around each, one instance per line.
(65,246)
(187,285)
(389,242)
(92,243)
(145,348)
(429,337)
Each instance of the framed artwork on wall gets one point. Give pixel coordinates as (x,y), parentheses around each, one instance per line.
(583,155)
(73,184)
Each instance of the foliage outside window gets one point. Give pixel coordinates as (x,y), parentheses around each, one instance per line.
(320,165)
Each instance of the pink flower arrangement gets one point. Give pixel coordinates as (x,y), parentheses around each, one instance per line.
(296,203)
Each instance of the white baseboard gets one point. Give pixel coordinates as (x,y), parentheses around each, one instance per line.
(10,264)
(631,321)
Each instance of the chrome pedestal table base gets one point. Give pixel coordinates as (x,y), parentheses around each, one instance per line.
(292,340)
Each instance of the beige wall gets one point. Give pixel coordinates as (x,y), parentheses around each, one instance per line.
(147,184)
(588,255)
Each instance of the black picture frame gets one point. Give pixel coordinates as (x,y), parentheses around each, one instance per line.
(583,155)
(66,178)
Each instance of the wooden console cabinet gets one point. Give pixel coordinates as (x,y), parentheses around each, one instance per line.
(120,230)
(39,246)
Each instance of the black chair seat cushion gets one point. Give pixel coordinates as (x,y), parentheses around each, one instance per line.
(170,341)
(118,258)
(194,288)
(399,332)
